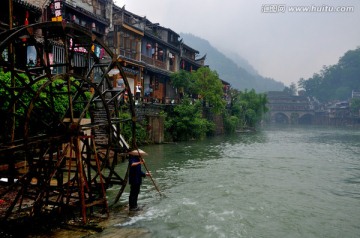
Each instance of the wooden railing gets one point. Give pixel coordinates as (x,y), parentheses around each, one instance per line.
(128,54)
(156,63)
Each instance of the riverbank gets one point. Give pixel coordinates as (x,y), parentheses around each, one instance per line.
(52,226)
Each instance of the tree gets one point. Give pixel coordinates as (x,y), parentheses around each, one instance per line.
(203,82)
(208,85)
(249,107)
(292,90)
(186,122)
(355,106)
(335,82)
(182,80)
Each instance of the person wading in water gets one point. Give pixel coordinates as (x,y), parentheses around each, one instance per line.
(135,177)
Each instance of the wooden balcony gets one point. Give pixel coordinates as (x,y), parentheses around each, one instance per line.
(156,63)
(129,54)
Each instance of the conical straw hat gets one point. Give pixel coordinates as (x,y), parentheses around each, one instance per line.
(138,152)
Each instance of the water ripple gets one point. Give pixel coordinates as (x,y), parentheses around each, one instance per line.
(294,182)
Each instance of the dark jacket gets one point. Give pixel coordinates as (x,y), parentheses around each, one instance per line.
(135,173)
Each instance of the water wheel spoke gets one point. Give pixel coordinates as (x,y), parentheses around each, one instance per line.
(22,183)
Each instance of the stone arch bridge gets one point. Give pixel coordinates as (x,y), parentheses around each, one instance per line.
(289,109)
(292,116)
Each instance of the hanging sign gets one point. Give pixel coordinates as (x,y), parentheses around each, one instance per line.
(56,10)
(76,48)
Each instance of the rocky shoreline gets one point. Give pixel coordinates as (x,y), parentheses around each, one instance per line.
(53,226)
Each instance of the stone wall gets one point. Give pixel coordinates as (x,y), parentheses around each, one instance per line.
(149,116)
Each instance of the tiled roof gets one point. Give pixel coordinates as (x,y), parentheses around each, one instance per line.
(82,10)
(35,3)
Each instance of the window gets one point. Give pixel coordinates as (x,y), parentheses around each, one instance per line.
(110,39)
(122,41)
(127,43)
(171,37)
(133,46)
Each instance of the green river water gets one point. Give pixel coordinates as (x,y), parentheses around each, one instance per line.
(277,182)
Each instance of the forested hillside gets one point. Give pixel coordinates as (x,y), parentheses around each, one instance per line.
(228,70)
(335,82)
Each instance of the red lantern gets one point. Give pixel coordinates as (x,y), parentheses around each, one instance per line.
(26,22)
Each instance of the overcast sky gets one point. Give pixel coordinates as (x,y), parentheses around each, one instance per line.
(283,45)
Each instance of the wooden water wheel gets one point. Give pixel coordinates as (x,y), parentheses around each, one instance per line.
(64,124)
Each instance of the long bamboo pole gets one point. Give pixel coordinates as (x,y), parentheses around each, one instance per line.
(127,174)
(149,174)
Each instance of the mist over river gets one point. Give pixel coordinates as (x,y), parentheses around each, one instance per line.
(277,182)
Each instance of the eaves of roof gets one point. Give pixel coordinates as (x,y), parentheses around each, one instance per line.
(133,29)
(157,70)
(168,29)
(195,62)
(85,12)
(224,82)
(155,38)
(131,61)
(34,5)
(122,9)
(188,47)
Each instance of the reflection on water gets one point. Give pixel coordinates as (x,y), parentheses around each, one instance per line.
(278,182)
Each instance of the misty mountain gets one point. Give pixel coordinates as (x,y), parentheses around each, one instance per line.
(241,75)
(241,62)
